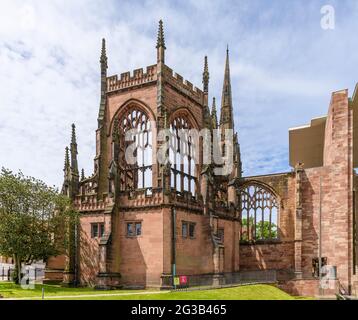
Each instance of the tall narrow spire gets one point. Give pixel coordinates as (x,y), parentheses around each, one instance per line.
(104,66)
(226,115)
(74,163)
(67,161)
(161,43)
(104,59)
(237,158)
(206,110)
(66,173)
(73,135)
(161,40)
(214,115)
(206,75)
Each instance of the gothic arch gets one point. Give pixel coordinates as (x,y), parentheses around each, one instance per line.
(126,106)
(186,113)
(262,184)
(260,211)
(182,153)
(135,173)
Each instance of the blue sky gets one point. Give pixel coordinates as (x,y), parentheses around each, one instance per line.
(284,67)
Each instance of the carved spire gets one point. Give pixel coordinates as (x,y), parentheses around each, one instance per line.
(83,174)
(237,157)
(104,66)
(66,173)
(73,135)
(214,115)
(161,40)
(67,161)
(104,59)
(206,75)
(74,163)
(206,112)
(161,43)
(226,115)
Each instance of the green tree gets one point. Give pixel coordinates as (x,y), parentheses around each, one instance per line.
(34,220)
(262,229)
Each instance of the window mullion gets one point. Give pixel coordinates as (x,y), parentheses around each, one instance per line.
(270,223)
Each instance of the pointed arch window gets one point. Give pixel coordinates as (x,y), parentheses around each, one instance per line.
(181,156)
(259,213)
(137,175)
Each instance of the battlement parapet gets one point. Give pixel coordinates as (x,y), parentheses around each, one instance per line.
(127,80)
(185,86)
(139,77)
(89,202)
(141,197)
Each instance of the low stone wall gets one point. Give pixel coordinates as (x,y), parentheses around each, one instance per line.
(53,276)
(307,287)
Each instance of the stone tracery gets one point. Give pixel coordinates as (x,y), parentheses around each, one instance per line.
(259,213)
(181,156)
(138,173)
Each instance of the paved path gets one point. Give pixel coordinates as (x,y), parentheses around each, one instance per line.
(89,295)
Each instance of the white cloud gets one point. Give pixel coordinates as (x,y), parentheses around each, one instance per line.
(283,69)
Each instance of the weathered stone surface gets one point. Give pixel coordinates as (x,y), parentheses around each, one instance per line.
(303,195)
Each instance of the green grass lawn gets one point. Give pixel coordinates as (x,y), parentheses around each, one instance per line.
(250,292)
(10,290)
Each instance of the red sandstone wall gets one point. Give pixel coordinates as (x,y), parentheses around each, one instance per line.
(267,256)
(88,250)
(167,241)
(336,191)
(55,267)
(141,261)
(174,101)
(194,256)
(336,176)
(232,245)
(56,262)
(310,221)
(275,255)
(146,95)
(308,288)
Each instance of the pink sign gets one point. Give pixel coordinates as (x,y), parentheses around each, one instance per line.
(183,280)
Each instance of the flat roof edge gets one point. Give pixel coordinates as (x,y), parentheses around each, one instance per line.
(307,125)
(268,175)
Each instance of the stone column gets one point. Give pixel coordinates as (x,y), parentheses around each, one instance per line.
(298,222)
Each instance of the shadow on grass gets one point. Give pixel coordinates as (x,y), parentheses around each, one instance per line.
(250,292)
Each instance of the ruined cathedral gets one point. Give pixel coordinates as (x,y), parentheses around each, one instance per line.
(142,224)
